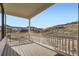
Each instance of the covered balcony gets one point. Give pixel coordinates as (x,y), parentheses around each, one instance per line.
(30,43)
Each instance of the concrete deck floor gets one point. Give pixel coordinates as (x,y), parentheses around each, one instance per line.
(33,50)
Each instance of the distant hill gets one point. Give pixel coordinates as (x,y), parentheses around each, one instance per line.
(63,29)
(21,29)
(66,28)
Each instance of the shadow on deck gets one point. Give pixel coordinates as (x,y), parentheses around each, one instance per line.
(8,51)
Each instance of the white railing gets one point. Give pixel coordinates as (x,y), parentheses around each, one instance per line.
(63,44)
(66,44)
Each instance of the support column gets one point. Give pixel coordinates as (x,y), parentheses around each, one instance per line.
(3,22)
(78,34)
(29,29)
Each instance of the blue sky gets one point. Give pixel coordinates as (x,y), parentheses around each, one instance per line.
(54,15)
